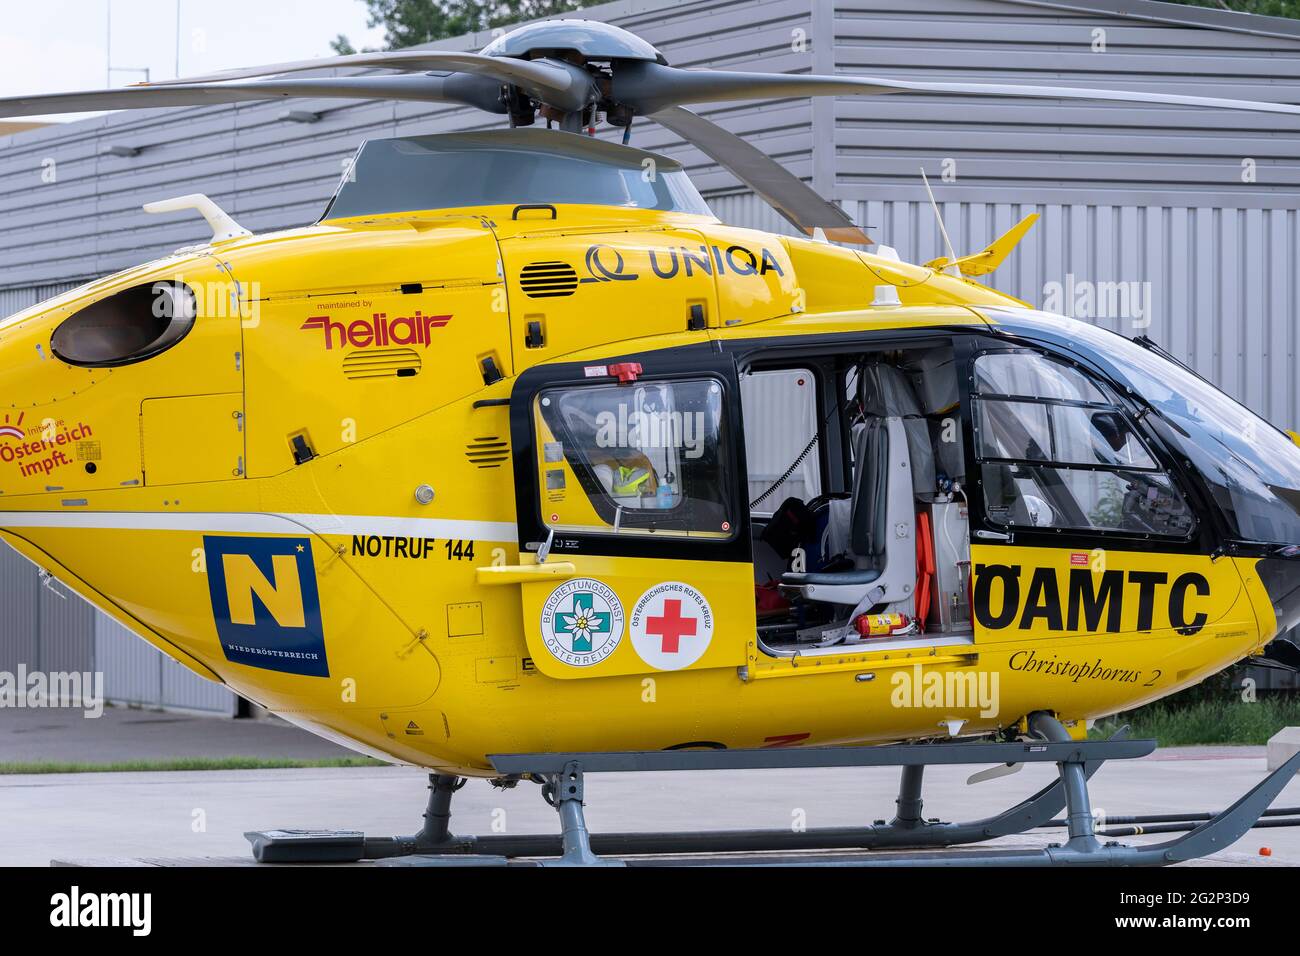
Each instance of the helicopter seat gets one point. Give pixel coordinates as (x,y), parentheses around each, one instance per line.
(883,519)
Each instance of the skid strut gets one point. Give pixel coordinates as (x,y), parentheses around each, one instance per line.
(562,778)
(564,791)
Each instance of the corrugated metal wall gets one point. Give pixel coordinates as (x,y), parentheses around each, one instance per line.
(136,673)
(1224,283)
(1197,208)
(132,669)
(45,628)
(1064,152)
(52,630)
(17,298)
(1128,193)
(1218,287)
(85,217)
(20,632)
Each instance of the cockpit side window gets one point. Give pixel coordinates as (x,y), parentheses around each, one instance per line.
(1251,467)
(1056,450)
(1035,376)
(645,458)
(126,327)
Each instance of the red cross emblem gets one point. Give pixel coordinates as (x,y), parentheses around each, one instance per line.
(672,627)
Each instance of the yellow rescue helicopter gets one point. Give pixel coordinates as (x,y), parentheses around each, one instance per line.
(479,473)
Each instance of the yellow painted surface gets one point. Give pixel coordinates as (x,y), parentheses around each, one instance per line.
(192,438)
(416,629)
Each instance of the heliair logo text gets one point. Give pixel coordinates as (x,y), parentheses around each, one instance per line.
(378,330)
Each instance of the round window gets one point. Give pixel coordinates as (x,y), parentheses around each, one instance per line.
(128,326)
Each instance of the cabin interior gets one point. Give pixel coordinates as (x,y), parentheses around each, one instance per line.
(858,501)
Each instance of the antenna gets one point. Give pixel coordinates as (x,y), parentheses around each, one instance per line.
(950,267)
(223,227)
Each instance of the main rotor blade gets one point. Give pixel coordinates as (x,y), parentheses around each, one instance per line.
(460,88)
(782,190)
(650,87)
(505,69)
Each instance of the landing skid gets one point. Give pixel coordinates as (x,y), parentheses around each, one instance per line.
(562,777)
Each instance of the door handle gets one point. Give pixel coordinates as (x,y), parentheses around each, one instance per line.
(524,573)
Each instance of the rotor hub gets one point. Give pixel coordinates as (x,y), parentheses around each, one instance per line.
(560,39)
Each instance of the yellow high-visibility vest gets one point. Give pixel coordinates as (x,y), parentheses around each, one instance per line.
(628,481)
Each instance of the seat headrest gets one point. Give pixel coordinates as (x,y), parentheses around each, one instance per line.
(885,392)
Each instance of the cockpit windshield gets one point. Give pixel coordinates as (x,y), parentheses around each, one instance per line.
(1252,467)
(508,167)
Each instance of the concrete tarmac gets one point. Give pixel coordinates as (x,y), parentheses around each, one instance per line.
(197,816)
(63,735)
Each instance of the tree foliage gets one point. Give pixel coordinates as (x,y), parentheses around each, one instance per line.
(408,22)
(1266,8)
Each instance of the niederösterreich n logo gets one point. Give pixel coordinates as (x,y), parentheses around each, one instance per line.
(582,622)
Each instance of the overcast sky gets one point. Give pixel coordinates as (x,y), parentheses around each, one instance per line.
(54,46)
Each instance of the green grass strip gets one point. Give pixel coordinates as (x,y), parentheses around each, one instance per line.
(1222,720)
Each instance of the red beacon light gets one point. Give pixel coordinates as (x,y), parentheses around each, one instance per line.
(625,371)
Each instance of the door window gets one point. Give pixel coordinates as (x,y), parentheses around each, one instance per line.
(781,423)
(647,458)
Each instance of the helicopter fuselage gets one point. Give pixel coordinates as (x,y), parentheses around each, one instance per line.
(332,492)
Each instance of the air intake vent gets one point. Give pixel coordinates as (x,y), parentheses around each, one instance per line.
(488,452)
(381,363)
(547,280)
